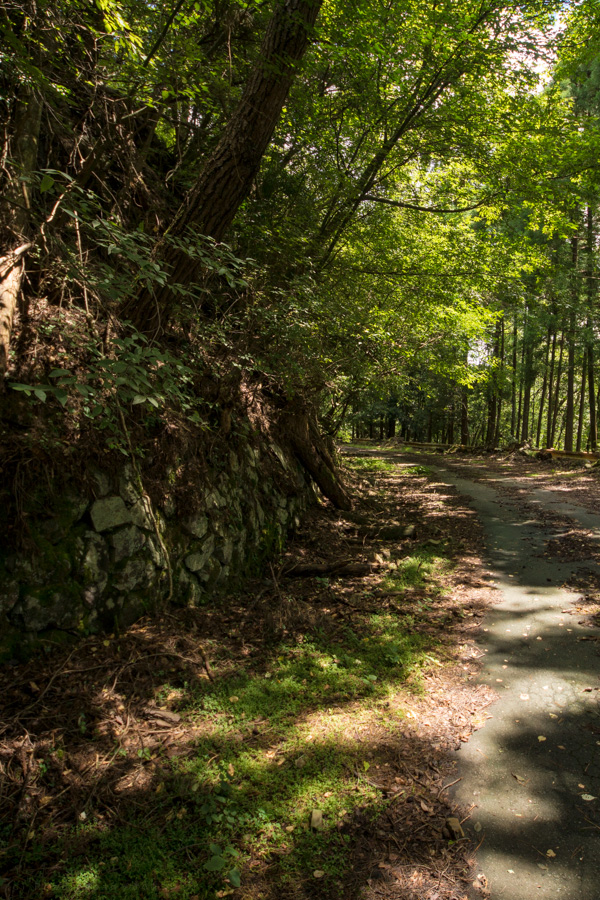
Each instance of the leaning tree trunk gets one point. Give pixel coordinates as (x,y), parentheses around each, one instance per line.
(229,173)
(16,218)
(310,448)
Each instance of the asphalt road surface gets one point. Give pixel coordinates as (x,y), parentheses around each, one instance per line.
(532,774)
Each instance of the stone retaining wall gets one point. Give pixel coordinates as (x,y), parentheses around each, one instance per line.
(99,561)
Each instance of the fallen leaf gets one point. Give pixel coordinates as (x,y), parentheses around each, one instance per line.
(587,797)
(550,853)
(519,778)
(234,699)
(541,737)
(318,873)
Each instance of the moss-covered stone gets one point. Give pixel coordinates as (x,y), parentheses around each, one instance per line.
(108,513)
(80,579)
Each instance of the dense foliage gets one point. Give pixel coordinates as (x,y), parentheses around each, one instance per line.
(381,212)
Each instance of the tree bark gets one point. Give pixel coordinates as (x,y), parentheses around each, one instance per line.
(581,402)
(557,390)
(544,388)
(513,389)
(550,390)
(308,445)
(570,410)
(24,149)
(528,378)
(464,416)
(593,432)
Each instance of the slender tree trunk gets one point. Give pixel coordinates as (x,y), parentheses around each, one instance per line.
(550,389)
(581,402)
(513,388)
(544,388)
(528,377)
(16,215)
(464,416)
(501,389)
(557,389)
(493,389)
(521,383)
(593,432)
(452,416)
(570,410)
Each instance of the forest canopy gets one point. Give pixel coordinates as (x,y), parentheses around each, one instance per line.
(371,216)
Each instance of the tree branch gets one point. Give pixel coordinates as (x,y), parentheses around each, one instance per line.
(402,205)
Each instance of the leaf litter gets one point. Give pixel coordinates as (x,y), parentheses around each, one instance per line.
(98,730)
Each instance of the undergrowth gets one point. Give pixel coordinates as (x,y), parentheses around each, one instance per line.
(270,744)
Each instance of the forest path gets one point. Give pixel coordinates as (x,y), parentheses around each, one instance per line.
(531,776)
(530,770)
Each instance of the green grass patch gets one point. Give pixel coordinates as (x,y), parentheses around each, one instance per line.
(370,464)
(418,470)
(272,743)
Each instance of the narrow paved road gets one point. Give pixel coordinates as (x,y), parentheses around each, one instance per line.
(532,774)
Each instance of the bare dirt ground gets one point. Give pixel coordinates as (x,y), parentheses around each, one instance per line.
(89,726)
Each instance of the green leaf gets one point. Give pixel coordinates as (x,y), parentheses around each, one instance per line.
(46,183)
(138,399)
(40,394)
(215,864)
(235,877)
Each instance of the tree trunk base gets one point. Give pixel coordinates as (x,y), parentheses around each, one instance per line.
(312,452)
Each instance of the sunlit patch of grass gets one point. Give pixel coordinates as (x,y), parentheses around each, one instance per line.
(362,464)
(415,571)
(417,470)
(272,743)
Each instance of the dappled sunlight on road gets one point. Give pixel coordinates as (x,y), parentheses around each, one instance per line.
(531,776)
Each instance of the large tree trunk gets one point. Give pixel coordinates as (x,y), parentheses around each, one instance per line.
(16,216)
(308,445)
(229,173)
